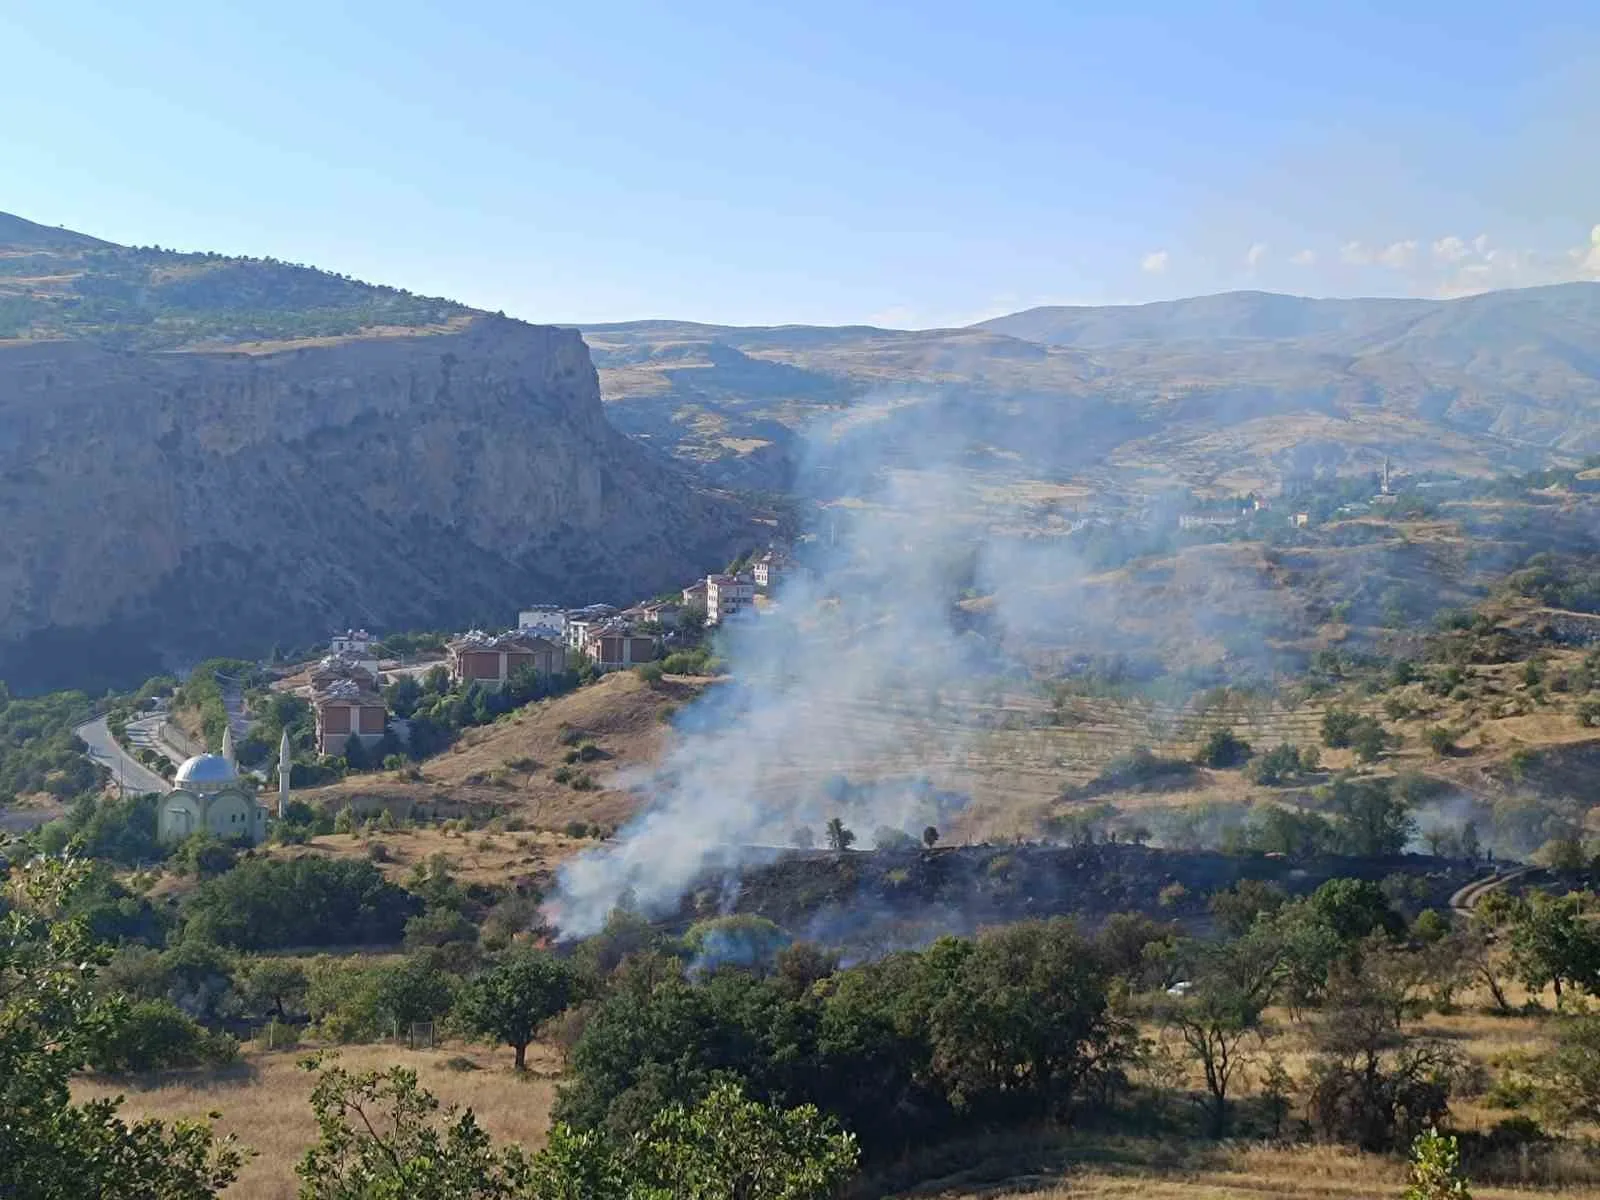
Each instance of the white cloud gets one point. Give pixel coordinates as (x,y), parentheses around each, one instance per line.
(1398,255)
(1154,263)
(1355,254)
(1254,255)
(1304,258)
(1450,249)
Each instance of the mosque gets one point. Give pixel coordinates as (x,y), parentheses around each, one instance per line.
(210,796)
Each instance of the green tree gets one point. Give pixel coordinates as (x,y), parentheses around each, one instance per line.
(1281,764)
(413,991)
(1369,740)
(1553,945)
(1237,908)
(1025,1021)
(267,904)
(1223,748)
(1220,1019)
(839,836)
(382,1137)
(515,997)
(1370,821)
(1567,1076)
(1337,726)
(730,1148)
(272,985)
(50,1021)
(153,1035)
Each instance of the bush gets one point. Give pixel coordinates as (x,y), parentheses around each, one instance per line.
(154,1035)
(1281,764)
(1338,724)
(651,672)
(1222,749)
(1440,740)
(267,904)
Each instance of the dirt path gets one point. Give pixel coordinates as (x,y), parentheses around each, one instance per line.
(1468,897)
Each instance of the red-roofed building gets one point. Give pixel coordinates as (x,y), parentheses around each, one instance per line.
(490,659)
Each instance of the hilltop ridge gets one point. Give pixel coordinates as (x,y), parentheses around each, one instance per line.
(206,455)
(1231,391)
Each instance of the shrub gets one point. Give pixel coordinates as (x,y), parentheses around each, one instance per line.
(1281,764)
(153,1035)
(1440,740)
(267,904)
(1223,748)
(1337,726)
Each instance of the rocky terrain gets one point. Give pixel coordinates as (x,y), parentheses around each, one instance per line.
(1228,392)
(165,499)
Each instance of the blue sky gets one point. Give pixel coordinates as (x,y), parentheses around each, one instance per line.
(905,164)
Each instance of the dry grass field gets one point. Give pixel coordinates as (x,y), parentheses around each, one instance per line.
(508,766)
(473,857)
(1110,1169)
(264,1100)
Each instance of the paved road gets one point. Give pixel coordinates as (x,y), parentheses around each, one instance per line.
(129,773)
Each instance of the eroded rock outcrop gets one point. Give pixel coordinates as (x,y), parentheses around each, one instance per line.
(160,506)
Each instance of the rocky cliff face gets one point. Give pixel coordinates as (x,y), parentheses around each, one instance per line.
(161,506)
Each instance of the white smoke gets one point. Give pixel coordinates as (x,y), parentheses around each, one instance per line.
(872,630)
(835,690)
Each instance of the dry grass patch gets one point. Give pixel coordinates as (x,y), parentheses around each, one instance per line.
(474,856)
(1088,1168)
(507,766)
(265,1101)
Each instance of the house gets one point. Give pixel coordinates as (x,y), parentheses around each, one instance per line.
(1300,520)
(491,659)
(616,644)
(664,613)
(333,667)
(694,596)
(346,709)
(769,569)
(579,621)
(544,620)
(727,596)
(353,641)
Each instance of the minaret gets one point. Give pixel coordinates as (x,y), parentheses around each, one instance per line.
(1385,474)
(227,743)
(285,769)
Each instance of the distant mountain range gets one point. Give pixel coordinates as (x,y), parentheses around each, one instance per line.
(1232,390)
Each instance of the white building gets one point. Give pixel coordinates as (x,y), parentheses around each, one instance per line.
(579,621)
(353,641)
(768,569)
(209,796)
(544,620)
(728,596)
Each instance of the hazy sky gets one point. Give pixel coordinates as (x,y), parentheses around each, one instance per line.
(905,164)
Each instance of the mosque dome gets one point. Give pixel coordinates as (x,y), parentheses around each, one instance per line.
(207,771)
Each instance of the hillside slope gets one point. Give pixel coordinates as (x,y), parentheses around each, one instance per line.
(173,485)
(1230,391)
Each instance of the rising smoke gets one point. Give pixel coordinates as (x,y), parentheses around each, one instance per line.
(871,628)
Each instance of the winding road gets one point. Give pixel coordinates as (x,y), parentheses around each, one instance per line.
(131,775)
